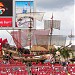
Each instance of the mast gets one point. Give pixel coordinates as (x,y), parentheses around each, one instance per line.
(30,27)
(71,37)
(51,27)
(19,45)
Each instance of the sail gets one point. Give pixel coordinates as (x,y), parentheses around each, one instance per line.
(15,36)
(42,40)
(38,37)
(41,32)
(34,15)
(25,37)
(58,40)
(48,24)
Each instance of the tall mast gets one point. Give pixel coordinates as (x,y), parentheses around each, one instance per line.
(51,29)
(70,36)
(30,27)
(19,38)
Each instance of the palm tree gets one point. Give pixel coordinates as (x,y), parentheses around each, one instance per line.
(65,53)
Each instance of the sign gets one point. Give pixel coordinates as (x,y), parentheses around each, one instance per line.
(6,13)
(9,9)
(6,7)
(24,7)
(5,22)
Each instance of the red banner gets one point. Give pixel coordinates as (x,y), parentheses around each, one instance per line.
(5,22)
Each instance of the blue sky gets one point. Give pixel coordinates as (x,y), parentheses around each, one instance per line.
(23,3)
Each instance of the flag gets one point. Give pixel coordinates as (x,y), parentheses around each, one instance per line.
(4,41)
(0,44)
(0,40)
(48,24)
(28,3)
(0,47)
(24,11)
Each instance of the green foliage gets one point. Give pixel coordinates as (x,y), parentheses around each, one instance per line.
(63,52)
(52,51)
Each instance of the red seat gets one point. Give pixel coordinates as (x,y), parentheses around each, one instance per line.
(71,69)
(34,70)
(33,63)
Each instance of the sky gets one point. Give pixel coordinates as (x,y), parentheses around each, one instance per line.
(23,3)
(62,10)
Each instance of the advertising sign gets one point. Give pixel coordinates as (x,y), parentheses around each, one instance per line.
(6,7)
(9,9)
(6,13)
(24,7)
(6,22)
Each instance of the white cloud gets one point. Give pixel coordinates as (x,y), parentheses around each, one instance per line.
(65,15)
(53,4)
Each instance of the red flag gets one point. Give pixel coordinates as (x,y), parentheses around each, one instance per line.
(28,3)
(0,44)
(0,40)
(0,47)
(4,41)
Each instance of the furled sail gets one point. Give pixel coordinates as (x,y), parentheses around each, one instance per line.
(35,15)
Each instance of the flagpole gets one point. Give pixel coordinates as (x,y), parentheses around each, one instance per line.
(51,27)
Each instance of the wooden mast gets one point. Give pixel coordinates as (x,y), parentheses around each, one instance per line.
(19,45)
(30,27)
(51,27)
